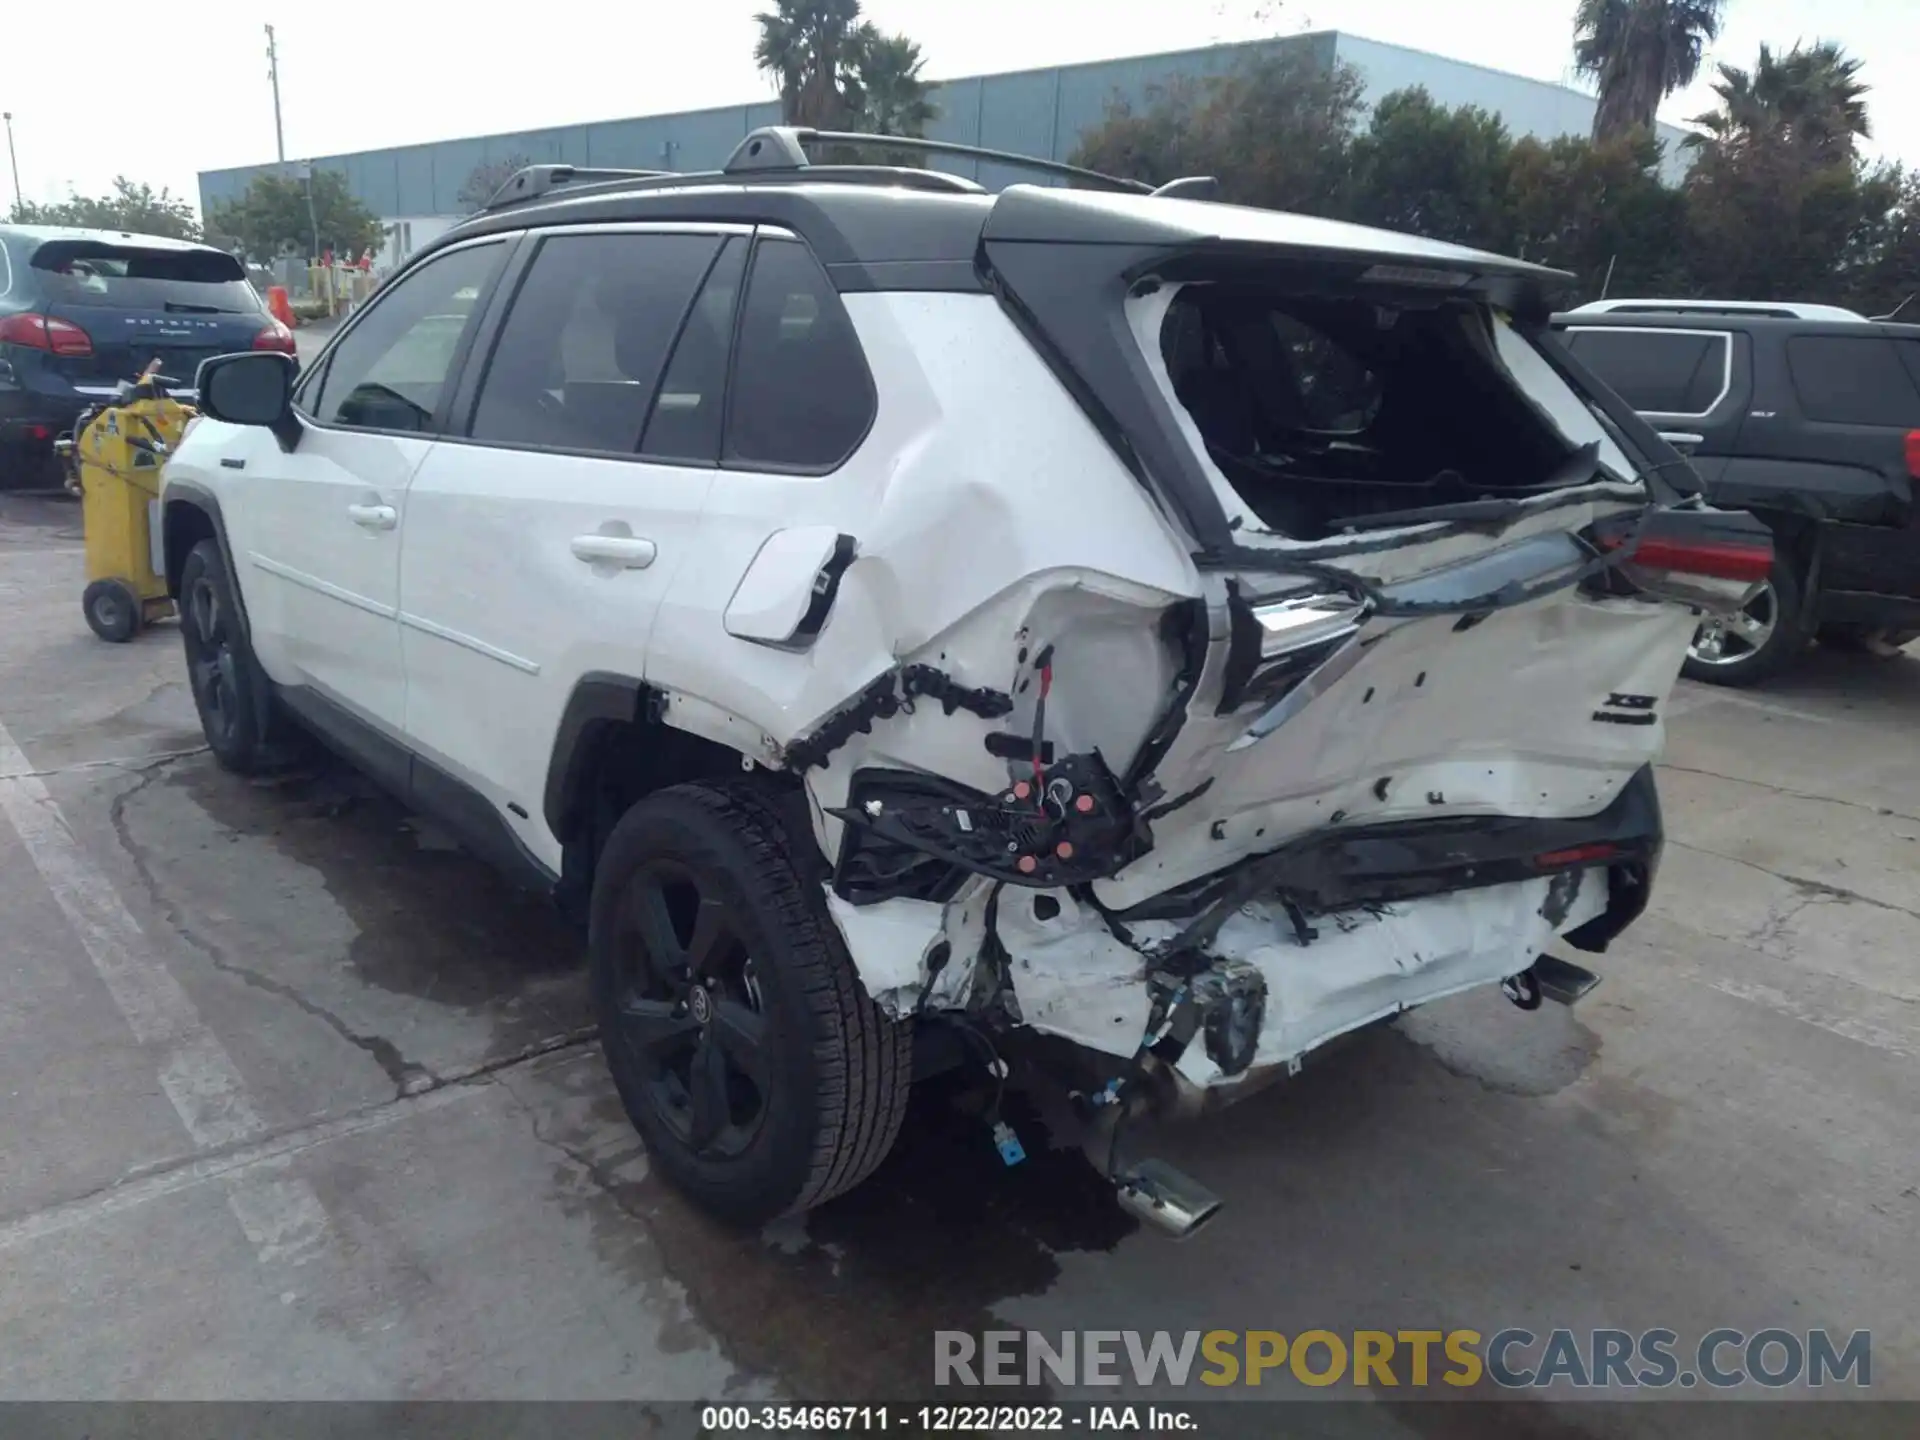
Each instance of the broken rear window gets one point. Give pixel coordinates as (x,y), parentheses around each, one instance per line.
(137,277)
(1321,411)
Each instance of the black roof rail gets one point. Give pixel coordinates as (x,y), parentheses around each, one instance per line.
(783,147)
(534,181)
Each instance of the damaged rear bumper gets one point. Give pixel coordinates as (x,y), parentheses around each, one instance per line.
(1227,982)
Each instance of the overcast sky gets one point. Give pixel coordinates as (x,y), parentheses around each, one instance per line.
(362,76)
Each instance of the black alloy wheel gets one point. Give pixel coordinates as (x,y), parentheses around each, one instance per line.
(690,1012)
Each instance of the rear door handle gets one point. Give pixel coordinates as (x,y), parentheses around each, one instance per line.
(374,517)
(1681,439)
(629,552)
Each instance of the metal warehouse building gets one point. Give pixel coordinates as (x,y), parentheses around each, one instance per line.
(1034,112)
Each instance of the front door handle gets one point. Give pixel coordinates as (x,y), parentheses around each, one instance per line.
(1682,440)
(374,517)
(629,552)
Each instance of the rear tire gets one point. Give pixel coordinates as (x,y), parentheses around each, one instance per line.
(238,713)
(112,610)
(1760,642)
(717,973)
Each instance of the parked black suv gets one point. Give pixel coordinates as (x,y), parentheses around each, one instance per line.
(1807,416)
(83,310)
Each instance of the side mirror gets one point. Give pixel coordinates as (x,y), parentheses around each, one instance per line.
(254,387)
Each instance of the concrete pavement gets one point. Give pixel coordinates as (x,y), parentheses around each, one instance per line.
(299,1102)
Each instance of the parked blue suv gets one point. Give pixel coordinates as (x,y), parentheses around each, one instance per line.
(83,310)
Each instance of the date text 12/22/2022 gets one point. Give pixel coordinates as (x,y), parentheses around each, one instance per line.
(941,1419)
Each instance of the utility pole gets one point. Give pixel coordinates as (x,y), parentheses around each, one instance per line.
(13,160)
(273,74)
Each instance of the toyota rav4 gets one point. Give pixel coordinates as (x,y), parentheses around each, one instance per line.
(1132,635)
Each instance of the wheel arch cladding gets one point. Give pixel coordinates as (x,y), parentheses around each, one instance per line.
(185,522)
(616,744)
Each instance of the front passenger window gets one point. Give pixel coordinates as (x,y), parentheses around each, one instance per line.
(390,372)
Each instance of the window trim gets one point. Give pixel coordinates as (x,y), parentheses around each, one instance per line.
(726,363)
(1725,337)
(459,430)
(781,235)
(323,363)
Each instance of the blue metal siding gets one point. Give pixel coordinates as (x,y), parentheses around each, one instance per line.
(1034,112)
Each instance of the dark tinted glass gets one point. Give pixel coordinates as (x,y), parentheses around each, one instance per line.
(691,404)
(1657,372)
(390,370)
(1845,380)
(581,353)
(802,397)
(133,277)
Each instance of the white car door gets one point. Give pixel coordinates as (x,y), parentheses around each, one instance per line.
(322,525)
(541,540)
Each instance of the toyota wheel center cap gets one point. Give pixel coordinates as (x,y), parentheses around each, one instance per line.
(700,1004)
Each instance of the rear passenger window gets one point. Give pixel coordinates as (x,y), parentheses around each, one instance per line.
(580,355)
(1658,372)
(802,397)
(1849,380)
(691,405)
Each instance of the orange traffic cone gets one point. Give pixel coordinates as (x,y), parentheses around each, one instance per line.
(281,306)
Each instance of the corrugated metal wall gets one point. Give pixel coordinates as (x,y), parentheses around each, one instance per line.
(1033,112)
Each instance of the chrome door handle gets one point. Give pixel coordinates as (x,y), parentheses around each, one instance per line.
(1680,439)
(629,552)
(374,517)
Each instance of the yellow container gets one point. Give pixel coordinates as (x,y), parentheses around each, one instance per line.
(117,454)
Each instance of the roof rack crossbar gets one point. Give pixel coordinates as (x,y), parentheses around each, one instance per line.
(533,181)
(783,147)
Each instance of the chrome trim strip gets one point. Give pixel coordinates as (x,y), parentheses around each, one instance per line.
(321,587)
(469,642)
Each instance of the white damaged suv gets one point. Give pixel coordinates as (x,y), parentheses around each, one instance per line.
(1134,636)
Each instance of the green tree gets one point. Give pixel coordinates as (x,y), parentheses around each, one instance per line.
(1811,99)
(811,49)
(486,178)
(1766,222)
(1890,275)
(1277,130)
(888,95)
(133,206)
(1434,171)
(274,217)
(1154,141)
(1599,210)
(1639,52)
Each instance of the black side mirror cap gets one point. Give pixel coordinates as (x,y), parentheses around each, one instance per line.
(254,387)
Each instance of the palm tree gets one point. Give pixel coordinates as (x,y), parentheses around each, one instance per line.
(1640,52)
(1810,98)
(891,97)
(809,48)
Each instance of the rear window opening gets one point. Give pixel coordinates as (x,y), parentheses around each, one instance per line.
(1324,411)
(137,277)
